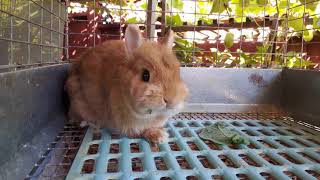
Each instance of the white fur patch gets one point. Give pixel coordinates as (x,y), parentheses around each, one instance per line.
(173,111)
(179,106)
(164,137)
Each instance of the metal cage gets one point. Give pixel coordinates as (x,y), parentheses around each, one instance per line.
(276,108)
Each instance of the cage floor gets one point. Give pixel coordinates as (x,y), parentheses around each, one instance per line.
(280,148)
(57,159)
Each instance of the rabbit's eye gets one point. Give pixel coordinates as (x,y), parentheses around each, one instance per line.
(145,75)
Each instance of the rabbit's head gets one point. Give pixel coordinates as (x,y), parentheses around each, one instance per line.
(152,75)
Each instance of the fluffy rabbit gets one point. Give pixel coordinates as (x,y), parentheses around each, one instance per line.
(130,86)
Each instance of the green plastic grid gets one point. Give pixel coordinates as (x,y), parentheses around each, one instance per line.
(279,149)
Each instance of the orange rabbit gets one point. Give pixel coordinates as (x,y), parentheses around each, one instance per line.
(130,86)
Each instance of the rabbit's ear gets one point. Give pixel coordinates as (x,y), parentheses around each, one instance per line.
(168,39)
(133,38)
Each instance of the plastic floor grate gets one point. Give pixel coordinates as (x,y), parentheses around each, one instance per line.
(279,149)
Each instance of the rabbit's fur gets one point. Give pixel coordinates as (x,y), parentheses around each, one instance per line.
(106,87)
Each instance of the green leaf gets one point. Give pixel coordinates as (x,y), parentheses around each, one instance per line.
(206,20)
(176,20)
(228,40)
(295,60)
(132,20)
(308,35)
(296,11)
(144,6)
(244,3)
(219,6)
(239,20)
(296,23)
(316,22)
(242,60)
(310,4)
(262,2)
(283,4)
(177,4)
(204,7)
(291,62)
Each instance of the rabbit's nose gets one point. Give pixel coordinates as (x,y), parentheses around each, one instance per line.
(169,104)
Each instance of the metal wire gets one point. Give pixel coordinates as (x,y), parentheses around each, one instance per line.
(58,157)
(32,33)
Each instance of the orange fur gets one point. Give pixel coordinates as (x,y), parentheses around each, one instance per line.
(106,89)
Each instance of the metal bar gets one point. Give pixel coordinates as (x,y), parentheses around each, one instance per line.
(11,35)
(198,28)
(198,51)
(59,36)
(241,27)
(194,31)
(286,29)
(29,34)
(302,41)
(214,39)
(163,17)
(120,27)
(22,66)
(219,26)
(263,34)
(273,38)
(41,35)
(30,43)
(151,18)
(94,23)
(156,11)
(66,37)
(217,23)
(51,50)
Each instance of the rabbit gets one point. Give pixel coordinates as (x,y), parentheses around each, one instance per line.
(131,87)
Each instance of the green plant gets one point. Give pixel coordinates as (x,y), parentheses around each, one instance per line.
(297,60)
(185,50)
(240,9)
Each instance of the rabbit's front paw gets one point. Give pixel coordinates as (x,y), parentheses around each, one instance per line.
(156,135)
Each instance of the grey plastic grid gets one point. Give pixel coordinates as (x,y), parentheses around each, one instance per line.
(280,149)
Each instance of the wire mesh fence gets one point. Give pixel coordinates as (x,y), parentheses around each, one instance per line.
(222,33)
(216,33)
(32,32)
